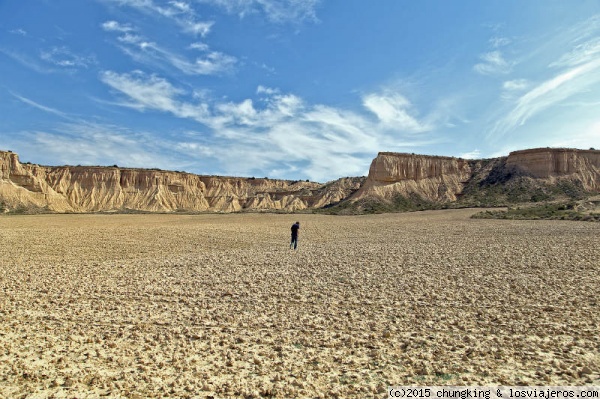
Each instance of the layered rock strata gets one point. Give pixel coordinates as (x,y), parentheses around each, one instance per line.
(557,163)
(96,189)
(432,177)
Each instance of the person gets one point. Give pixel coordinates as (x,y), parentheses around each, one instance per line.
(295,228)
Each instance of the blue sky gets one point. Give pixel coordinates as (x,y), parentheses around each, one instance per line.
(294,89)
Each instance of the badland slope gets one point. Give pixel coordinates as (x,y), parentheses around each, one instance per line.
(399,181)
(34,188)
(396,182)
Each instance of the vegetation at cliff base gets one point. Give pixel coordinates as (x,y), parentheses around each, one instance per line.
(373,205)
(546,211)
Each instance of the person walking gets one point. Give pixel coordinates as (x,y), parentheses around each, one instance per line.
(295,228)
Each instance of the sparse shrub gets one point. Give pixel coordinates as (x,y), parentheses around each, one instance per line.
(560,211)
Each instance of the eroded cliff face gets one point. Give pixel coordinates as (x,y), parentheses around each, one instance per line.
(25,185)
(523,176)
(431,177)
(429,180)
(559,163)
(95,189)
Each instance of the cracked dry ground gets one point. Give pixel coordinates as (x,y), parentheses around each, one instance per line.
(218,306)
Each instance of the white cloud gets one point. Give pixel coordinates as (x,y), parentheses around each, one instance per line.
(147,52)
(278,11)
(393,111)
(129,38)
(242,113)
(114,26)
(182,6)
(555,88)
(549,93)
(513,88)
(41,107)
(180,12)
(199,46)
(585,29)
(498,41)
(516,85)
(475,154)
(284,134)
(198,28)
(266,90)
(148,92)
(213,63)
(582,53)
(63,57)
(87,143)
(288,105)
(493,64)
(18,31)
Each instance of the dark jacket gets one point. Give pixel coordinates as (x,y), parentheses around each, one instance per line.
(295,228)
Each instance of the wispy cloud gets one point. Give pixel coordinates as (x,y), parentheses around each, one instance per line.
(585,29)
(198,28)
(583,52)
(199,46)
(63,57)
(549,93)
(266,90)
(514,88)
(516,85)
(180,12)
(145,92)
(393,111)
(86,143)
(499,41)
(41,107)
(573,72)
(32,63)
(493,64)
(79,141)
(149,52)
(278,11)
(280,133)
(114,26)
(19,31)
(475,154)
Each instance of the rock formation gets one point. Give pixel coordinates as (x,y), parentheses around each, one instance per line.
(557,163)
(104,189)
(401,180)
(432,177)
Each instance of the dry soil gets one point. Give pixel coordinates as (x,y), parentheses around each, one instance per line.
(218,306)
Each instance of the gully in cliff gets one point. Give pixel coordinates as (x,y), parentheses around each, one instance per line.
(295,228)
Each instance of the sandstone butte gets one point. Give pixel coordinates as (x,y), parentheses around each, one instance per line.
(436,179)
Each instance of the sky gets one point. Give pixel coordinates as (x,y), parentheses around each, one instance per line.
(294,89)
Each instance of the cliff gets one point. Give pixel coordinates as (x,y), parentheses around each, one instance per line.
(559,163)
(431,177)
(404,182)
(102,189)
(396,181)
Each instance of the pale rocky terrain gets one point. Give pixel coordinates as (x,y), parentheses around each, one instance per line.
(434,178)
(399,181)
(30,188)
(136,306)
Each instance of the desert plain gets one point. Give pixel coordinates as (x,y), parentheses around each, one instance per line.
(200,306)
